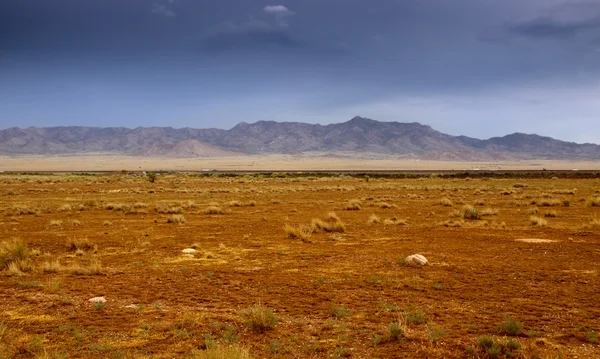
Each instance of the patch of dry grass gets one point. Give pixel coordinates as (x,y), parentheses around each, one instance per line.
(259,318)
(301,232)
(82,244)
(353,205)
(214,210)
(15,256)
(177,219)
(332,226)
(446,202)
(538,221)
(394,221)
(373,219)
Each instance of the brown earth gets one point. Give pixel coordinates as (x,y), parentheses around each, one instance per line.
(478,276)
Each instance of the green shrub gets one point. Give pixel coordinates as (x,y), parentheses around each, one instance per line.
(511,327)
(259,318)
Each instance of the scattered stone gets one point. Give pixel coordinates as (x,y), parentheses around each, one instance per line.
(417,259)
(535,240)
(189,251)
(98,300)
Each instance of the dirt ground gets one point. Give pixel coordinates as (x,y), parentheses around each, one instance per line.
(335,294)
(304,162)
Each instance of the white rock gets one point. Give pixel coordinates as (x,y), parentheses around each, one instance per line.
(98,300)
(132,306)
(189,251)
(417,259)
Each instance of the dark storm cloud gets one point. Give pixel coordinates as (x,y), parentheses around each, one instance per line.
(551,28)
(331,57)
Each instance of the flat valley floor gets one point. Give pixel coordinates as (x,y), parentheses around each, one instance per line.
(307,267)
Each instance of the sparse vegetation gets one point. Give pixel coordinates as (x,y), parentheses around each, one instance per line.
(538,221)
(15,256)
(511,326)
(259,318)
(177,219)
(353,205)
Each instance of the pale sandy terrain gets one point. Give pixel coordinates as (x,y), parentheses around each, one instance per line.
(266,163)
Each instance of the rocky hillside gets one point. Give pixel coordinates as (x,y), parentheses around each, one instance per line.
(405,140)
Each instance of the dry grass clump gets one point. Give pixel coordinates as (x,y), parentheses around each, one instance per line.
(328,226)
(76,223)
(593,201)
(538,221)
(176,218)
(138,205)
(107,223)
(384,205)
(470,212)
(79,244)
(214,210)
(446,202)
(533,211)
(301,232)
(91,267)
(551,214)
(353,205)
(489,212)
(452,223)
(549,202)
(222,351)
(236,203)
(55,223)
(64,208)
(117,207)
(259,318)
(21,209)
(332,216)
(373,219)
(394,221)
(165,208)
(15,256)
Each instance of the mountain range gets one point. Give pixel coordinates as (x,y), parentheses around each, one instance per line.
(359,135)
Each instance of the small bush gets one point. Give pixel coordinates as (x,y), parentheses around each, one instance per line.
(593,201)
(533,211)
(511,327)
(550,214)
(169,209)
(259,318)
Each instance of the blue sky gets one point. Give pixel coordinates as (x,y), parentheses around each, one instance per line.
(481,68)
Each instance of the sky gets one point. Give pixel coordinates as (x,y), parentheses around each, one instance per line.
(481,68)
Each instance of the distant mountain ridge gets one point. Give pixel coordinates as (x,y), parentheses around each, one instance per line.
(361,135)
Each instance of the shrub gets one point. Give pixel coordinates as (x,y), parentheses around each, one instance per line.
(593,201)
(510,327)
(489,212)
(259,318)
(533,211)
(550,214)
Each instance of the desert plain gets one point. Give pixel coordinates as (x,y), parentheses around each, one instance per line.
(293,265)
